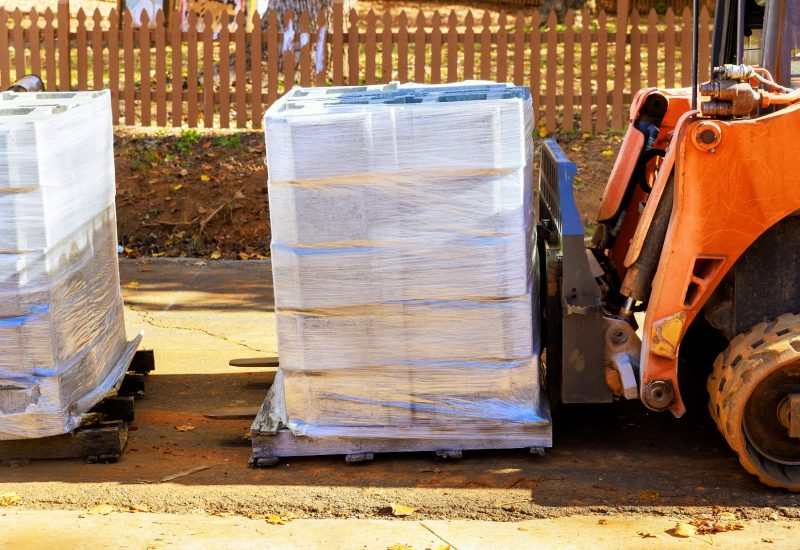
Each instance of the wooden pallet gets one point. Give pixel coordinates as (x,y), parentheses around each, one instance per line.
(103,432)
(272,441)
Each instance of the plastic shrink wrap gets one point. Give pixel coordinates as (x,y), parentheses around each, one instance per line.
(403,261)
(62,330)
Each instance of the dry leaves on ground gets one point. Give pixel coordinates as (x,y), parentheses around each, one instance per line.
(718,521)
(401,510)
(102,510)
(9,499)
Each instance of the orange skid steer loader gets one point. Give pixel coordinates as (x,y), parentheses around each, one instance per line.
(699,230)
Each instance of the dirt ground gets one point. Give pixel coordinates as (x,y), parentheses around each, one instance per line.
(608,459)
(204,193)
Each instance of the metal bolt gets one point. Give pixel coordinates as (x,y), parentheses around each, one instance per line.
(619,336)
(659,394)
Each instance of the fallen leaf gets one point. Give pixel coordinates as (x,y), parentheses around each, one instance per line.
(132,284)
(206,144)
(400,546)
(199,263)
(101,510)
(281,519)
(139,508)
(602,521)
(768,541)
(146,262)
(645,535)
(205,178)
(443,547)
(239,195)
(9,499)
(684,530)
(607,153)
(185,428)
(586,135)
(215,255)
(201,210)
(176,188)
(401,510)
(184,172)
(542,132)
(243,255)
(576,148)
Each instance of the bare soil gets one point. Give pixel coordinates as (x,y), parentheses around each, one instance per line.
(615,459)
(204,193)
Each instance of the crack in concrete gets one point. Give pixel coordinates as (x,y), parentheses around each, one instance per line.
(147,317)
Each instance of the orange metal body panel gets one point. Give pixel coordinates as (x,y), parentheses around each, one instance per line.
(725,198)
(633,143)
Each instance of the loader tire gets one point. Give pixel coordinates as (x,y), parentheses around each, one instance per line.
(748,388)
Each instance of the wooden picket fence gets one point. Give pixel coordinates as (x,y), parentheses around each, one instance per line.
(582,74)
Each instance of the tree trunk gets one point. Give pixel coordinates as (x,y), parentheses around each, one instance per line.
(561,7)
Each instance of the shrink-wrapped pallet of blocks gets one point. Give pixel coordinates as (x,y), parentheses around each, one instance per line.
(62,332)
(404,269)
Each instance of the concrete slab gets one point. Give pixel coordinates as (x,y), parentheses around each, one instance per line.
(24,530)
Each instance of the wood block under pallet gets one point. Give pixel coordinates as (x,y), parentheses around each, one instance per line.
(103,432)
(271,442)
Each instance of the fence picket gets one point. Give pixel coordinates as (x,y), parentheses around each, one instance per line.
(255,71)
(305,53)
(192,78)
(224,42)
(353,69)
(62,35)
(130,74)
(369,48)
(552,66)
(176,75)
(161,70)
(337,54)
(5,70)
(704,40)
(97,50)
(452,47)
(502,48)
(287,51)
(19,43)
(536,64)
(208,70)
(486,47)
(602,73)
(321,55)
(617,110)
(686,49)
(652,49)
(567,121)
(519,47)
(402,47)
(419,48)
(113,63)
(469,47)
(436,48)
(636,53)
(272,57)
(35,45)
(586,72)
(83,63)
(669,49)
(144,60)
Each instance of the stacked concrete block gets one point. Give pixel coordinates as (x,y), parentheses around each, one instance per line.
(403,260)
(61,320)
